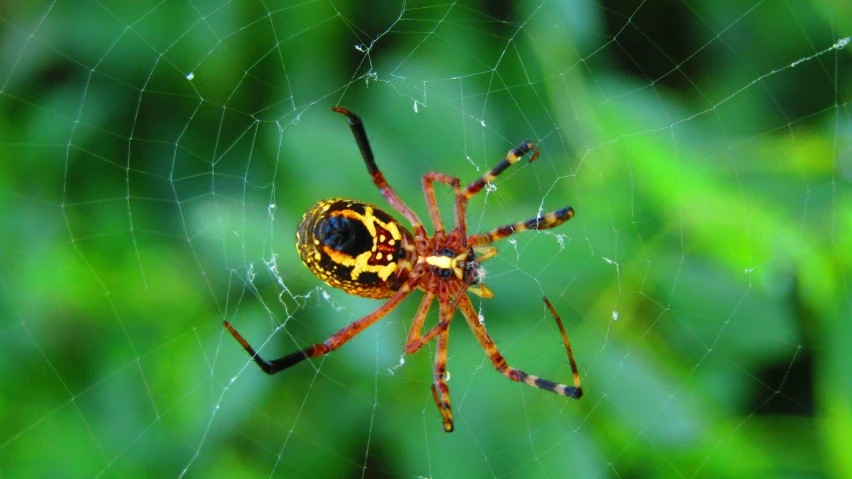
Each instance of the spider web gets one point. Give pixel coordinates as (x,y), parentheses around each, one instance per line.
(158,157)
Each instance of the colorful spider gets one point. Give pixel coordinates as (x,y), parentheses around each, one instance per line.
(362,250)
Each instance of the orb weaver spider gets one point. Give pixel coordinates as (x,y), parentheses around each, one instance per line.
(364,251)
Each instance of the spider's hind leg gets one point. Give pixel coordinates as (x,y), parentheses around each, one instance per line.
(499,362)
(389,194)
(335,341)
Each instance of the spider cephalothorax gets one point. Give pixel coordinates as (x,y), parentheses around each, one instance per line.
(364,251)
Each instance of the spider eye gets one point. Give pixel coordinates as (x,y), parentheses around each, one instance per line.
(344,234)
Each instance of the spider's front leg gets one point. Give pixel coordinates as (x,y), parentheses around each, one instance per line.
(545,222)
(511,158)
(550,220)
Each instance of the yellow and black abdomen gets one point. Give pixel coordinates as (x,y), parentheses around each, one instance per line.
(356,247)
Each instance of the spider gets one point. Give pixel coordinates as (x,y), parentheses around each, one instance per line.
(364,251)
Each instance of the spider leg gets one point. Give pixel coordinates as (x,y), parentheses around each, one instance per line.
(550,220)
(335,341)
(432,203)
(385,189)
(419,318)
(414,341)
(440,390)
(499,362)
(566,343)
(481,290)
(511,158)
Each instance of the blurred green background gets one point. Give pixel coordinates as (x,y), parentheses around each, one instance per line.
(158,156)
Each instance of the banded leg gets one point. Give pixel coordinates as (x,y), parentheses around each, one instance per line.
(499,362)
(385,189)
(432,202)
(511,158)
(338,339)
(566,343)
(550,220)
(440,390)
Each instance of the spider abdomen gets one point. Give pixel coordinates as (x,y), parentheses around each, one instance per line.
(356,247)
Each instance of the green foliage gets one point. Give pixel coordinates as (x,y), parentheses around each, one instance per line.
(157,158)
